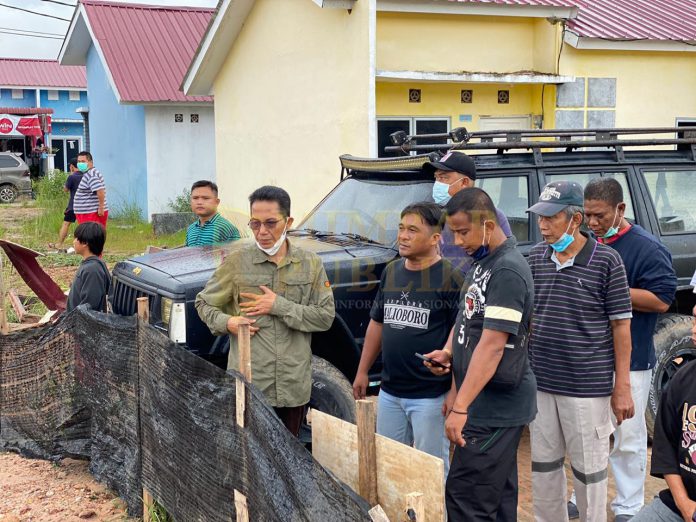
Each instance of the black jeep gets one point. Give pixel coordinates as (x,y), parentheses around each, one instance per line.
(354,230)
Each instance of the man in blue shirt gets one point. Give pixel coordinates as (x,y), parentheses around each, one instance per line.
(454,172)
(652,284)
(210,228)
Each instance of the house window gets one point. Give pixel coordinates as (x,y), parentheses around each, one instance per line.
(74,95)
(17,94)
(52,95)
(194,118)
(410,125)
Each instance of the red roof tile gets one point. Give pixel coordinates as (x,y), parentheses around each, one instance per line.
(26,110)
(16,72)
(542,3)
(148,48)
(636,19)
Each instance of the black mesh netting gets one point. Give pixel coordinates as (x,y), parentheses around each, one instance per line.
(150,414)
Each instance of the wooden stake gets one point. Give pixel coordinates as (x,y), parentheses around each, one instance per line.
(377,514)
(240,506)
(240,394)
(16,303)
(415,507)
(144,309)
(367,451)
(4,326)
(147,503)
(244,343)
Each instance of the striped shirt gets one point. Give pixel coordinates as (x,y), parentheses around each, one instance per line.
(571,347)
(86,200)
(216,230)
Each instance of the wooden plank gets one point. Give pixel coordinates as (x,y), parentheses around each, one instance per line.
(240,393)
(240,506)
(4,325)
(335,446)
(148,502)
(377,514)
(244,342)
(367,452)
(415,507)
(144,309)
(17,305)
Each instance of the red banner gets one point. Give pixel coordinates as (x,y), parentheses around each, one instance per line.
(17,126)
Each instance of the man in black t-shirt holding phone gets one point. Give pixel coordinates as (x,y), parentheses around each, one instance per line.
(412,314)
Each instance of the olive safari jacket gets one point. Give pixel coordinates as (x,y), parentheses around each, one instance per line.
(281,356)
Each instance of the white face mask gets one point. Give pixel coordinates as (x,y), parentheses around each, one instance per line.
(276,246)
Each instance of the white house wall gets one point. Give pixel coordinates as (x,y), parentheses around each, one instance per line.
(178,153)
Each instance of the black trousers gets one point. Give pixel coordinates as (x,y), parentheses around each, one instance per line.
(482,482)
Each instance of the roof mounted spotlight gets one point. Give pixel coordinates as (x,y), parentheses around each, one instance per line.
(460,134)
(399,138)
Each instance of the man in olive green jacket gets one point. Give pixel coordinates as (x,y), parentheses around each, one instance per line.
(283,292)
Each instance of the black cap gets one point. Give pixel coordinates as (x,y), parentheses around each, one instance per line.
(452,162)
(556,196)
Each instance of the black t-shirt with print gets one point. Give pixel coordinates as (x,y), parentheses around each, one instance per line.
(674,442)
(417,309)
(497,294)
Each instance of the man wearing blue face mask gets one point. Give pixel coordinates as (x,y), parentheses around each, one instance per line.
(454,172)
(580,350)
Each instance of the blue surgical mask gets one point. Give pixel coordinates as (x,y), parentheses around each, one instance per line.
(82,166)
(483,250)
(612,230)
(566,240)
(441,191)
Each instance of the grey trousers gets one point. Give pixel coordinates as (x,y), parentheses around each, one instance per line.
(581,428)
(656,511)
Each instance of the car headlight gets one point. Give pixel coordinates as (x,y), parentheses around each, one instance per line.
(166,310)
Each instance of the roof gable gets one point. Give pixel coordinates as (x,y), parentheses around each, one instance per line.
(49,74)
(145,49)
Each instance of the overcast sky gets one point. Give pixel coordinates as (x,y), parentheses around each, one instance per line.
(12,46)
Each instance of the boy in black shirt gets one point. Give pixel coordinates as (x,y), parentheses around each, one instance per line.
(92,280)
(493,390)
(413,312)
(674,451)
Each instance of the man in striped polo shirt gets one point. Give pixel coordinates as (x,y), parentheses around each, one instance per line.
(90,197)
(210,228)
(580,350)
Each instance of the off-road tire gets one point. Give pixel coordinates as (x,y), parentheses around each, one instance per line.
(8,193)
(331,391)
(673,349)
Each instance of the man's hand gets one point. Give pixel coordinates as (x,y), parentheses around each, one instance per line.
(360,385)
(100,211)
(453,428)
(440,356)
(258,304)
(688,509)
(622,403)
(234,322)
(448,402)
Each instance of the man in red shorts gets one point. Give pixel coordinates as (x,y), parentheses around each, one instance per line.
(90,198)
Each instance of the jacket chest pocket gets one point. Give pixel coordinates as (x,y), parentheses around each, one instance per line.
(295,288)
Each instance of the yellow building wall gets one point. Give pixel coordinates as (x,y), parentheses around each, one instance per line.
(652,88)
(444,100)
(293,94)
(446,43)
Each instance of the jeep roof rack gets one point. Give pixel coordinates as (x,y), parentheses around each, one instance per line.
(568,139)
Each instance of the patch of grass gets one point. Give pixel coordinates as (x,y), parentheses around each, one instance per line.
(158,513)
(181,203)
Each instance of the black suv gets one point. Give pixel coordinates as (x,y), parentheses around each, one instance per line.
(354,231)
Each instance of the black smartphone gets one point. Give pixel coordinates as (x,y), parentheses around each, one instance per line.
(431,361)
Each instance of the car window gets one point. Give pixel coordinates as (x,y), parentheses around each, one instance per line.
(673,194)
(7,161)
(584,177)
(511,195)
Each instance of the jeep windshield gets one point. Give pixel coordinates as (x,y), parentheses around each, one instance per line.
(366,207)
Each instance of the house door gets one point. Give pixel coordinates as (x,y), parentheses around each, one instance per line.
(68,148)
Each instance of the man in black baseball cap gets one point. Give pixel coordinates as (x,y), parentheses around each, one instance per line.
(453,172)
(580,350)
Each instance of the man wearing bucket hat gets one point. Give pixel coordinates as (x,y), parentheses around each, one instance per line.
(454,172)
(580,350)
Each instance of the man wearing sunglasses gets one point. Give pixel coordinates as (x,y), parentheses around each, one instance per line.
(280,290)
